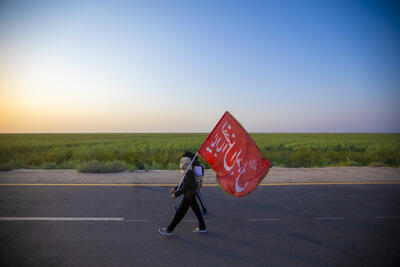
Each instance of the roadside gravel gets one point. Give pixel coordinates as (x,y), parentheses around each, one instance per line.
(276,175)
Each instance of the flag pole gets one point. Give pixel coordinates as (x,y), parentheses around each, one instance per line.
(190,165)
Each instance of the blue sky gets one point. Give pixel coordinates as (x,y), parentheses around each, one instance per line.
(176,66)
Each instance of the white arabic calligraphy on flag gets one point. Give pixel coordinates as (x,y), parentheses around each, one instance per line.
(235,157)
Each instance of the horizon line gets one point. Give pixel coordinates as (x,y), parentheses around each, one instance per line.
(181,132)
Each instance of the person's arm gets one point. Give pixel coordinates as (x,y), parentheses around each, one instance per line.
(173,189)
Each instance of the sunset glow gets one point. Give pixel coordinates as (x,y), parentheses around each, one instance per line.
(177,66)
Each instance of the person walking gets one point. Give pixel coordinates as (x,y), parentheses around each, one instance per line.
(199,173)
(188,190)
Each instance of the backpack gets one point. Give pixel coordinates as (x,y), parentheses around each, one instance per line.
(198,171)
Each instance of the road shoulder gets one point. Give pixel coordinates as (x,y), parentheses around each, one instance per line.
(276,175)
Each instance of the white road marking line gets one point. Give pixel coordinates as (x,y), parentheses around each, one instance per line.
(196,220)
(263,220)
(145,220)
(60,219)
(337,218)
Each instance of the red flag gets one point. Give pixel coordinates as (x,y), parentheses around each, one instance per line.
(235,157)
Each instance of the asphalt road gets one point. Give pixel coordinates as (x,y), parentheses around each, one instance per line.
(312,225)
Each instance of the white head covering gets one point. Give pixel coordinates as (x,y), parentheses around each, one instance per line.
(185,162)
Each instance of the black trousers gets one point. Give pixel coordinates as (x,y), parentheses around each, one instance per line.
(183,208)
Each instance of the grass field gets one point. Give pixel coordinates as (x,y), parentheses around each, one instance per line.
(116,152)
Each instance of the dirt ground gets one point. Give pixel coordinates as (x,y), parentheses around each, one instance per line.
(276,175)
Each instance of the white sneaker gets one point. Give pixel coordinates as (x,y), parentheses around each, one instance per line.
(197,230)
(164,231)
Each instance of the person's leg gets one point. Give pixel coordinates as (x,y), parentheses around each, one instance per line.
(180,213)
(196,209)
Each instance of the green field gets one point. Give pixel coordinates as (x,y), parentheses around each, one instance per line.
(163,151)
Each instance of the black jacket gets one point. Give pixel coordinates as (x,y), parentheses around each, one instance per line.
(188,187)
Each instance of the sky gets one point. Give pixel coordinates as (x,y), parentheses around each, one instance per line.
(177,66)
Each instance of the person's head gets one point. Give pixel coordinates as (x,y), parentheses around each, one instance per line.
(184,164)
(188,154)
(191,156)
